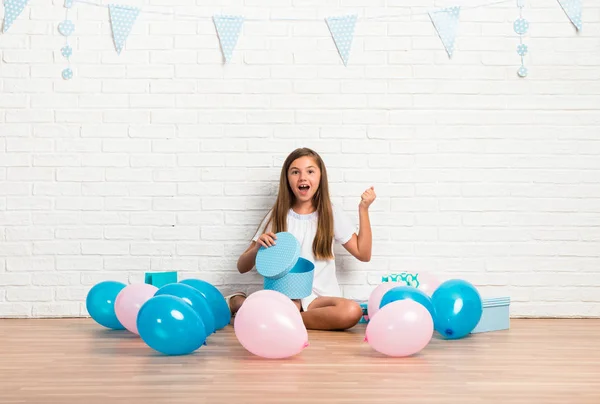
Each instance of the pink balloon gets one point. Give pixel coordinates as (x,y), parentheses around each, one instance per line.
(128,303)
(428,283)
(401,328)
(275,296)
(377,295)
(269,328)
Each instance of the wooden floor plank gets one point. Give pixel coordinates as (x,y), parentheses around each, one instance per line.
(77,361)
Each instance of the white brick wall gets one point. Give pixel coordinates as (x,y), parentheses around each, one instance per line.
(164,159)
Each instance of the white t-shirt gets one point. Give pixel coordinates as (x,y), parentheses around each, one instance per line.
(304,228)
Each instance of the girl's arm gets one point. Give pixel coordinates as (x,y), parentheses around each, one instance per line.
(248,258)
(360,246)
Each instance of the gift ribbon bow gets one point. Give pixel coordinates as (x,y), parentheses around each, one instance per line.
(407,278)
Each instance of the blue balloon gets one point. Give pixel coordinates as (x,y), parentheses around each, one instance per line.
(216,300)
(195,299)
(171,326)
(100,303)
(408,292)
(458,308)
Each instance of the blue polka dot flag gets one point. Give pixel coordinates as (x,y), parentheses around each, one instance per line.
(572,9)
(12,10)
(122,19)
(445,22)
(342,32)
(228,29)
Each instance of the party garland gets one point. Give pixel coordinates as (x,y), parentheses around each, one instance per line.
(341,27)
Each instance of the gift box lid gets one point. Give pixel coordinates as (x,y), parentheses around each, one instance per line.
(496,301)
(276,261)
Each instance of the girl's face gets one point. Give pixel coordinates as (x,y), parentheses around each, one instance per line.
(304,178)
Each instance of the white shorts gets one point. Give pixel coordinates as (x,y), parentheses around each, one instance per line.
(307,301)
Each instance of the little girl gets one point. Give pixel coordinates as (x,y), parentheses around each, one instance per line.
(303,208)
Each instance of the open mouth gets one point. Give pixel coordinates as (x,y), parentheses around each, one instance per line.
(304,188)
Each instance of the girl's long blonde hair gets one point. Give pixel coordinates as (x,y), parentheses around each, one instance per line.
(323,242)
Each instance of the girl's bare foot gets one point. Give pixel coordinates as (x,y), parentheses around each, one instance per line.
(235,301)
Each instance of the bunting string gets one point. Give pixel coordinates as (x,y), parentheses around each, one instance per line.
(228,28)
(391,17)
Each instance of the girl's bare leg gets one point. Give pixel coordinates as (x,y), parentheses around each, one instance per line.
(332,314)
(324,313)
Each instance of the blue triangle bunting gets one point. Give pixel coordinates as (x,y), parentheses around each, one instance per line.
(12,10)
(228,29)
(122,19)
(342,32)
(572,9)
(445,22)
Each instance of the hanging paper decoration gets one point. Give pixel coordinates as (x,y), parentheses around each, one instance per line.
(342,32)
(122,19)
(228,29)
(67,73)
(341,27)
(66,51)
(572,9)
(445,22)
(12,10)
(521,26)
(66,28)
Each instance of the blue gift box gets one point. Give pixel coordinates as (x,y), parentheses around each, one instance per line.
(160,279)
(297,284)
(365,317)
(495,316)
(283,269)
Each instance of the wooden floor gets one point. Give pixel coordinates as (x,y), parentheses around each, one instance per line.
(76,361)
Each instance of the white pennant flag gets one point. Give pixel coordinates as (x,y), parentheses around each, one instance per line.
(228,29)
(445,22)
(122,19)
(342,32)
(572,9)
(12,10)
